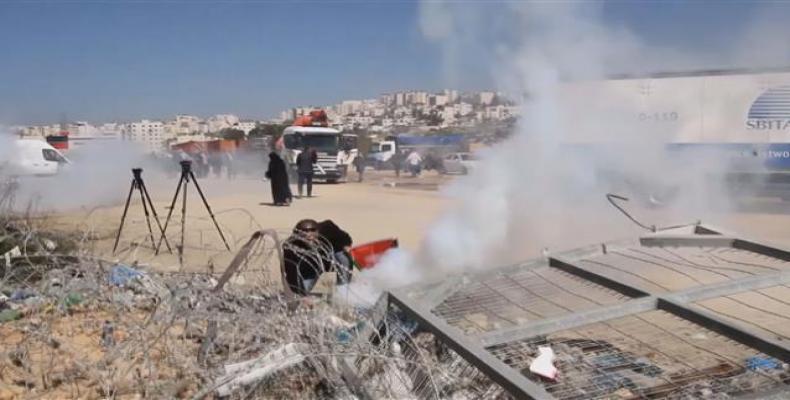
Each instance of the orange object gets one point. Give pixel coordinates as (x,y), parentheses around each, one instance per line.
(315,118)
(60,142)
(368,254)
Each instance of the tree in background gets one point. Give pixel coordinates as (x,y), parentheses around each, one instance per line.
(271,130)
(232,134)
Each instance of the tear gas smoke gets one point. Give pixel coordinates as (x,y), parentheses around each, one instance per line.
(99,174)
(535,191)
(6,148)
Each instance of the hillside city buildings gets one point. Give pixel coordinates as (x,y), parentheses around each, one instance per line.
(409,111)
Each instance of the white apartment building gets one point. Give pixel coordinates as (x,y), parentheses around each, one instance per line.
(222,121)
(40,131)
(361,121)
(452,95)
(387,99)
(378,110)
(83,129)
(349,107)
(486,98)
(149,133)
(203,127)
(400,99)
(186,124)
(419,97)
(111,129)
(245,126)
(285,115)
(438,100)
(463,109)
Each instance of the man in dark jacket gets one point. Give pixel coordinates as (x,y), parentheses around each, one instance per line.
(304,166)
(397,162)
(359,164)
(302,259)
(340,241)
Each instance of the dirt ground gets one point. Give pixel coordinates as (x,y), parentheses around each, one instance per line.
(380,207)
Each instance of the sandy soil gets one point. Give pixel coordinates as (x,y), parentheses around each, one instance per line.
(380,207)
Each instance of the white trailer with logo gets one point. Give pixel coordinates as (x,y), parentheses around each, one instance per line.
(738,120)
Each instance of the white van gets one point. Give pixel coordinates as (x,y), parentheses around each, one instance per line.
(29,157)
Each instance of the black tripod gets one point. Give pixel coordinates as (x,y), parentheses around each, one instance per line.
(186,174)
(137,183)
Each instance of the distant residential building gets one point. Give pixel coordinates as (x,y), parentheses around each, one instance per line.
(149,133)
(448,116)
(486,98)
(83,129)
(111,129)
(245,126)
(350,107)
(439,100)
(39,131)
(203,127)
(463,109)
(187,124)
(387,99)
(286,115)
(400,99)
(452,95)
(221,121)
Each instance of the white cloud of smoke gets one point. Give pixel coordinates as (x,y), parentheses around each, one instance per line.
(99,174)
(534,191)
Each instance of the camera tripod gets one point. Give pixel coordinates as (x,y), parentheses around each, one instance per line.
(139,185)
(183,182)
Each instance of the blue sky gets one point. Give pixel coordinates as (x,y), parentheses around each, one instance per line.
(100,61)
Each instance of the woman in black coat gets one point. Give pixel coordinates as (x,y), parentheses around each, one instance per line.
(278,176)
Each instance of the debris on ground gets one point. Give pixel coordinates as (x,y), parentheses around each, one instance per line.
(76,326)
(543,364)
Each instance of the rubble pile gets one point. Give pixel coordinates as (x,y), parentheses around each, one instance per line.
(91,330)
(77,326)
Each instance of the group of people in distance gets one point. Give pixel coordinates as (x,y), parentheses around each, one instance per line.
(278,176)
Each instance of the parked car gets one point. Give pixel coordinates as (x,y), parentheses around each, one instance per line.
(459,163)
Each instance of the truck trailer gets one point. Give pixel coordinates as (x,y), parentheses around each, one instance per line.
(736,123)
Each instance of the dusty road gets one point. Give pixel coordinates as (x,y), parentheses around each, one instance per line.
(372,210)
(380,207)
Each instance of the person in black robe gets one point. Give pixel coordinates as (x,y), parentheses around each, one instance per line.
(278,176)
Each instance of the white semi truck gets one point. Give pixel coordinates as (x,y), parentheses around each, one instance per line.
(336,151)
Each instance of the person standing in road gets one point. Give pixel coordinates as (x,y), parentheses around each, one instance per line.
(230,168)
(304,165)
(278,177)
(415,163)
(359,164)
(397,163)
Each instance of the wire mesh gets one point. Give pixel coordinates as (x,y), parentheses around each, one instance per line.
(514,299)
(667,269)
(765,309)
(646,356)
